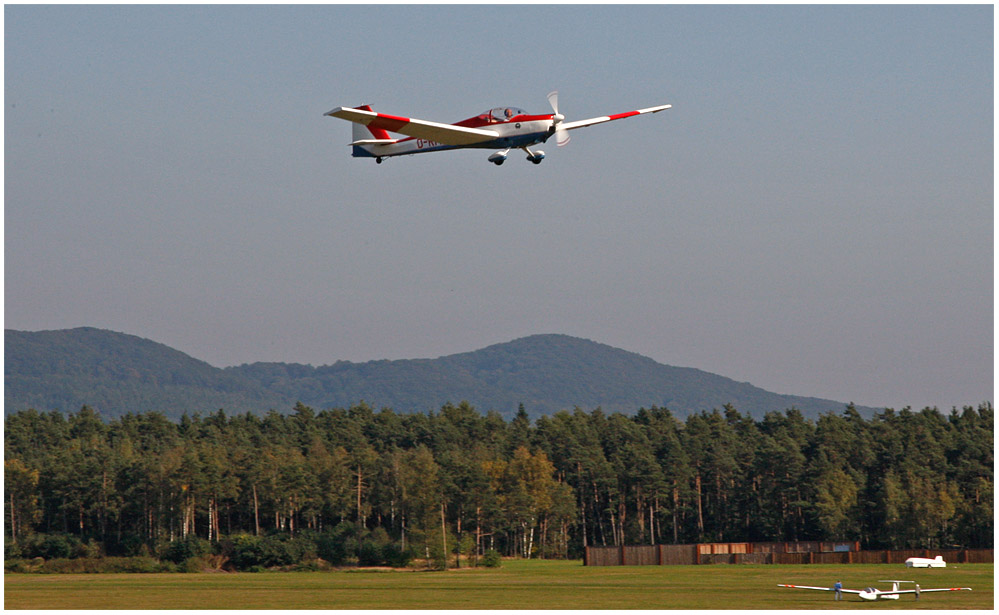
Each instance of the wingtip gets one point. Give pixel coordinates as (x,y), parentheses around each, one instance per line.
(333,112)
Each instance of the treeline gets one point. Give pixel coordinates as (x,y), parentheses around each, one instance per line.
(364,485)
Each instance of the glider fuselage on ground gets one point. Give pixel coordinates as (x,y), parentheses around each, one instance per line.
(925,562)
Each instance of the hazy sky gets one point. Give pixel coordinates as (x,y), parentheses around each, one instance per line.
(814,215)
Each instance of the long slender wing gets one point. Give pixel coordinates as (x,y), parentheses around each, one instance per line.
(608,118)
(923,591)
(828,589)
(421,129)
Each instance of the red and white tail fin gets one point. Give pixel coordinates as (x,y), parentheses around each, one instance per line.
(367,132)
(363,137)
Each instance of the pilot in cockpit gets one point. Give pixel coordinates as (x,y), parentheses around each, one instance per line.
(503,114)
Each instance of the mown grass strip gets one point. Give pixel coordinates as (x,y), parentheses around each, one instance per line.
(516,585)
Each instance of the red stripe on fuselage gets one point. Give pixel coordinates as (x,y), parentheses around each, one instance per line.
(482,120)
(390,123)
(618,116)
(530,118)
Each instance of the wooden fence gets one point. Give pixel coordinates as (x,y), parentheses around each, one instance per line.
(768,553)
(658,555)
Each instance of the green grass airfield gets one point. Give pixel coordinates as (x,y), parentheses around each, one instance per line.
(518,584)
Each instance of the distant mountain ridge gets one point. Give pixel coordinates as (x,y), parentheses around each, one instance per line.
(117,373)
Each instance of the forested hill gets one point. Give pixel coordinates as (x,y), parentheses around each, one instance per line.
(117,373)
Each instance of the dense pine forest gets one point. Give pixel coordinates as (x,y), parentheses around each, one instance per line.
(364,486)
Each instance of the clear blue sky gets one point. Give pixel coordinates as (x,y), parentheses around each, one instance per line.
(814,215)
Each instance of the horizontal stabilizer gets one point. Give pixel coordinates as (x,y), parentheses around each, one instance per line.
(375,141)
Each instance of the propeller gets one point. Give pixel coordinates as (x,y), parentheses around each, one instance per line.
(561,135)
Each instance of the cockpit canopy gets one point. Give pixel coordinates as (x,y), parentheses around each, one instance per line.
(502,114)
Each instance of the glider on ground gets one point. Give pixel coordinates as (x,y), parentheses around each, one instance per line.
(504,128)
(872,593)
(925,562)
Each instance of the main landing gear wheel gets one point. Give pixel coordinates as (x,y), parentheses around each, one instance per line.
(378,160)
(535,157)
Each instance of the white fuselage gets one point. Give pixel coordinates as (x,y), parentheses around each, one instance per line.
(925,562)
(513,134)
(873,594)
